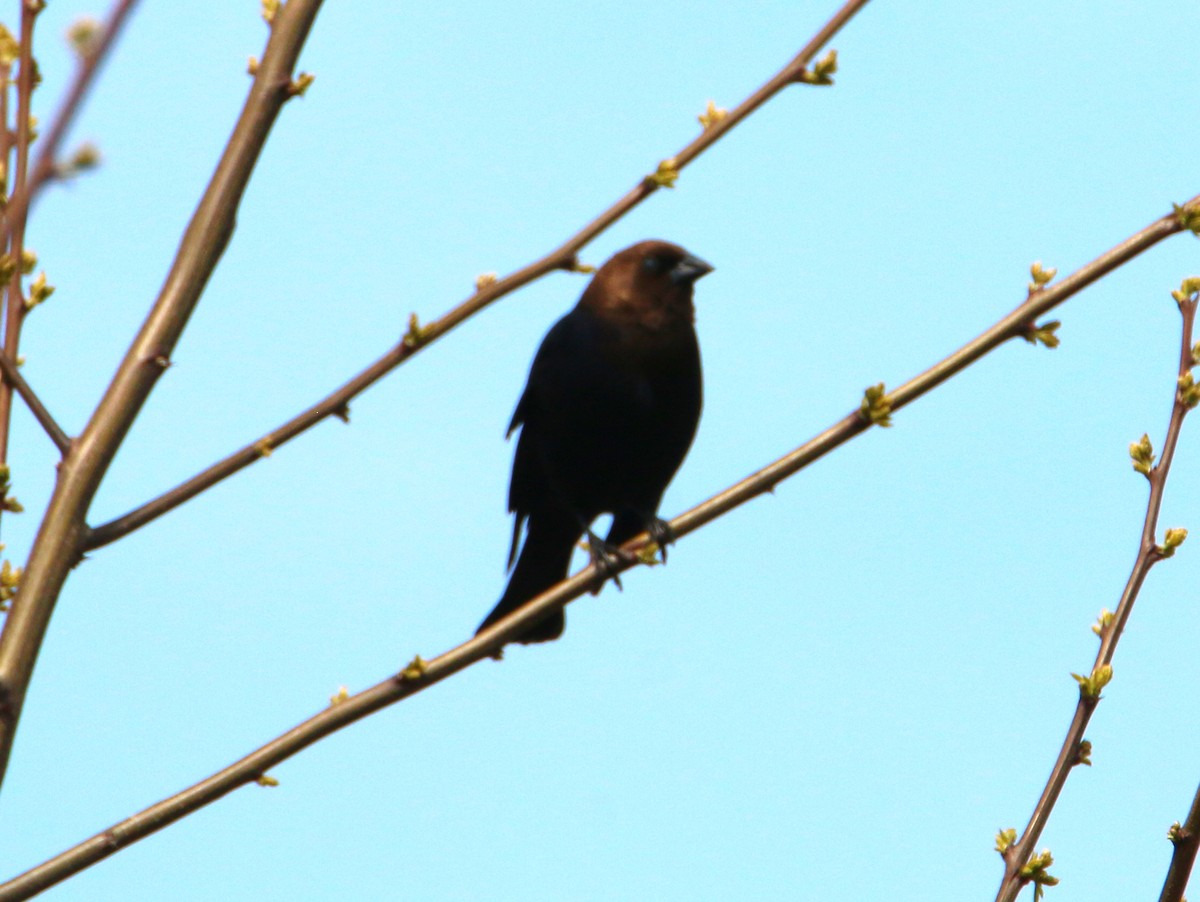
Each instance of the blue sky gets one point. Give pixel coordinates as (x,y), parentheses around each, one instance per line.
(841,691)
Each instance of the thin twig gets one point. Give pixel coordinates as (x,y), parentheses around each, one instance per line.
(27,186)
(562,257)
(1186,839)
(1017,854)
(60,537)
(85,75)
(14,218)
(423,674)
(13,376)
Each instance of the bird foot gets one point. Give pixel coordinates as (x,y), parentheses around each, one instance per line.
(606,559)
(661,532)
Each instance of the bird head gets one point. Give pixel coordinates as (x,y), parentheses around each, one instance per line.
(648,284)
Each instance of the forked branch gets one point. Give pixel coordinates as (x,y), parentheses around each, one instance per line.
(1018,853)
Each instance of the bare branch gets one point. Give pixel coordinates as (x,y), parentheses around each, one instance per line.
(421,674)
(59,542)
(1186,839)
(85,76)
(562,257)
(14,219)
(13,377)
(1017,854)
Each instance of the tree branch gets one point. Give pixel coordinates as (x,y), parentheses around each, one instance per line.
(421,674)
(1186,839)
(562,257)
(85,75)
(1073,751)
(13,377)
(59,542)
(14,219)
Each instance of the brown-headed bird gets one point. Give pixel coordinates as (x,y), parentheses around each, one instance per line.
(608,413)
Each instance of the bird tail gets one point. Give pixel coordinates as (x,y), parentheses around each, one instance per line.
(544,561)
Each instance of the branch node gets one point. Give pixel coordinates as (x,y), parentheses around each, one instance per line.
(414,670)
(573,264)
(1172,540)
(1041,277)
(876,406)
(1083,754)
(297,86)
(1141,453)
(416,334)
(664,176)
(712,115)
(1043,334)
(1188,216)
(1091,685)
(822,73)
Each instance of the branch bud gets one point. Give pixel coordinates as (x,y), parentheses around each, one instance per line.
(1188,216)
(1187,290)
(1142,455)
(1043,334)
(416,334)
(83,35)
(1103,622)
(1172,540)
(664,176)
(711,116)
(1090,686)
(1040,276)
(822,73)
(1189,391)
(415,669)
(1083,754)
(876,406)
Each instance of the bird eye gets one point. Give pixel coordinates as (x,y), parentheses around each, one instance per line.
(654,264)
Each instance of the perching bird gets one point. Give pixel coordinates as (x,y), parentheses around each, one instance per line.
(608,413)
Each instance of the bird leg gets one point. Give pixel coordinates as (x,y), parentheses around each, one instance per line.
(661,532)
(605,558)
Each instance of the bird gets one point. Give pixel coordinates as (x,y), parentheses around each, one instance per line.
(607,416)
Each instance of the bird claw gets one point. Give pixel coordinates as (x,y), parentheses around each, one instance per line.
(661,532)
(606,559)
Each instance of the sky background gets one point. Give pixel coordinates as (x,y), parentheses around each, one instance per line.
(839,692)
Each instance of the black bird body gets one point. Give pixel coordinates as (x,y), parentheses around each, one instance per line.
(608,414)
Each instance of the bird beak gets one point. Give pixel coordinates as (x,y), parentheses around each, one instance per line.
(689,269)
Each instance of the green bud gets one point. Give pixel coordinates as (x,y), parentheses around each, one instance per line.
(876,406)
(665,175)
(415,669)
(1142,455)
(1172,540)
(1040,276)
(822,73)
(1090,686)
(1004,839)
